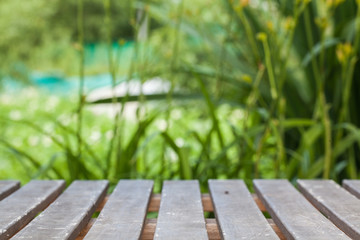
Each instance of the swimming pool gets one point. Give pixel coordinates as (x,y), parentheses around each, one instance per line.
(60,84)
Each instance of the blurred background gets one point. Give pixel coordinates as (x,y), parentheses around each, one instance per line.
(179,89)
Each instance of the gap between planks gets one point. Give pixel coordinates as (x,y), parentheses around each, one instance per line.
(150,224)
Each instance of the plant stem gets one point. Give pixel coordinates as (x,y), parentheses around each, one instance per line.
(322,101)
(310,43)
(249,32)
(173,65)
(269,67)
(327,138)
(80,25)
(348,72)
(249,105)
(220,68)
(112,70)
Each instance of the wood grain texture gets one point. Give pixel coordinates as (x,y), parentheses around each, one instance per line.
(150,227)
(293,214)
(236,212)
(181,213)
(124,214)
(7,187)
(340,206)
(21,207)
(353,186)
(69,214)
(156,198)
(154,204)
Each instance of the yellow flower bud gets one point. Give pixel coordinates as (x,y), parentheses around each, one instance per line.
(246,78)
(322,22)
(343,52)
(289,23)
(348,49)
(270,26)
(261,36)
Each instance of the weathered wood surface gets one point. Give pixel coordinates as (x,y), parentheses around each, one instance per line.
(353,186)
(124,214)
(156,198)
(150,227)
(150,223)
(181,213)
(22,206)
(69,214)
(293,214)
(236,212)
(340,206)
(205,199)
(8,187)
(181,208)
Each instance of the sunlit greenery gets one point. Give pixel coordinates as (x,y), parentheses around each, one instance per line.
(258,89)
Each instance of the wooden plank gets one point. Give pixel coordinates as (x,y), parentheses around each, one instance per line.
(150,226)
(293,214)
(156,198)
(154,204)
(124,214)
(353,186)
(7,187)
(69,214)
(21,207)
(181,213)
(340,206)
(236,212)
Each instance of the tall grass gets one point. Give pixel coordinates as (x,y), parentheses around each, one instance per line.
(264,90)
(309,50)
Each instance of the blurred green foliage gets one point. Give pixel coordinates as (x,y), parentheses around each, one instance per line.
(284,61)
(42,35)
(277,79)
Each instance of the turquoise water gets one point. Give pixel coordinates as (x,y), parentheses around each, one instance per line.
(57,83)
(60,85)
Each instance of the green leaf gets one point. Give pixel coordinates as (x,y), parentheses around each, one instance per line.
(184,165)
(149,97)
(316,50)
(345,144)
(298,122)
(316,169)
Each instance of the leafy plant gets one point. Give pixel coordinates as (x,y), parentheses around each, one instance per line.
(258,89)
(309,51)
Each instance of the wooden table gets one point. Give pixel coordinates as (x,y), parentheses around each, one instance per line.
(42,210)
